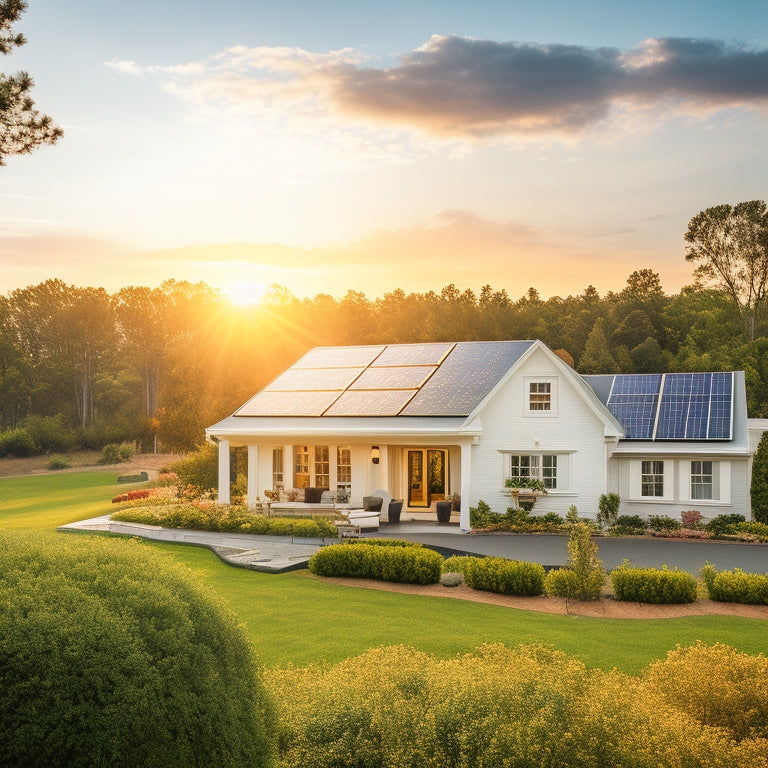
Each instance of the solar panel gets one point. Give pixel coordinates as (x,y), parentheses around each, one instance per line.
(315,379)
(339,357)
(287,404)
(633,401)
(371,402)
(413,354)
(465,377)
(674,406)
(409,377)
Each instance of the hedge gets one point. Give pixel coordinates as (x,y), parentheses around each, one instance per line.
(651,585)
(225,519)
(736,586)
(408,565)
(112,654)
(506,577)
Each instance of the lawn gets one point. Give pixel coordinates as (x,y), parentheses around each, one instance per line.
(294,618)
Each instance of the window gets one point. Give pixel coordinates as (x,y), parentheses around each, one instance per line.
(540,396)
(542,467)
(301,466)
(701,480)
(652,478)
(277,467)
(343,473)
(322,467)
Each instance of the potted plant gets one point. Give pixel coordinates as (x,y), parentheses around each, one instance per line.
(525,490)
(443,509)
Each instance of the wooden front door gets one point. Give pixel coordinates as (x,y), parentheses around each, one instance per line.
(426,476)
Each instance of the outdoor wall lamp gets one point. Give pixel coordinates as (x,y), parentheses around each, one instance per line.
(375,454)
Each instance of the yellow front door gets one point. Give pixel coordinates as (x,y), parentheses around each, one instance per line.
(426,476)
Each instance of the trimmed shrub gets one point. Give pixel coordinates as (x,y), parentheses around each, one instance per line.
(459,563)
(664,523)
(408,565)
(628,525)
(113,654)
(651,585)
(722,525)
(562,582)
(736,586)
(141,477)
(506,577)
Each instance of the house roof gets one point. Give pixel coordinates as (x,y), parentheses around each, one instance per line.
(691,411)
(440,379)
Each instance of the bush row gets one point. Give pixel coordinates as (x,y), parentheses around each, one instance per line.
(523,706)
(652,585)
(408,565)
(226,519)
(736,586)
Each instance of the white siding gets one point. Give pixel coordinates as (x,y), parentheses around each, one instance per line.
(572,428)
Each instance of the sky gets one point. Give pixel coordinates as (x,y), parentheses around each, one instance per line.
(335,146)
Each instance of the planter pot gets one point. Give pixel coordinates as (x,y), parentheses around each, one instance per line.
(444,511)
(394,510)
(526,501)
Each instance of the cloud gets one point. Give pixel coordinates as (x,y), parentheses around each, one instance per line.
(464,88)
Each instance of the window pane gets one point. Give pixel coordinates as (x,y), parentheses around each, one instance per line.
(652,478)
(539,396)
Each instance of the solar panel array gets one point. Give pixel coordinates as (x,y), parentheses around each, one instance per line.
(674,406)
(440,379)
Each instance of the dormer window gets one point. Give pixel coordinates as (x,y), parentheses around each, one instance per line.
(540,396)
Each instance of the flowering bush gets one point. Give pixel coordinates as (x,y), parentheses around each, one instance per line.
(132,496)
(205,515)
(523,706)
(691,518)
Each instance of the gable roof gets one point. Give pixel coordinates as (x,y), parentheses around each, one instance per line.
(437,379)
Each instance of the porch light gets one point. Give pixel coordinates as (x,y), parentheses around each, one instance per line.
(375,454)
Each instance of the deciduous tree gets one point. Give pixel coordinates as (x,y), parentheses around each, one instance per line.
(730,245)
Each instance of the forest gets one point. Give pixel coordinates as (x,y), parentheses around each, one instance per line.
(155,366)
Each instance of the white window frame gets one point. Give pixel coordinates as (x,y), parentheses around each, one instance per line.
(636,474)
(532,397)
(721,481)
(653,470)
(536,461)
(702,480)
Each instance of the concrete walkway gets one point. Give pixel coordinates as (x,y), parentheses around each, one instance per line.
(277,554)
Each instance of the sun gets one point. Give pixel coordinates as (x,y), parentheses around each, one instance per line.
(244,292)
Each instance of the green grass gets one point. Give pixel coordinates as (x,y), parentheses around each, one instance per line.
(295,618)
(44,502)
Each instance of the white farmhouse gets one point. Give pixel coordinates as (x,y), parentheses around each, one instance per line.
(427,421)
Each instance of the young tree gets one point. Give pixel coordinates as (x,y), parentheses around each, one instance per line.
(22,127)
(730,244)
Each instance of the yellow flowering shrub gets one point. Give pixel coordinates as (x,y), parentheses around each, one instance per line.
(496,707)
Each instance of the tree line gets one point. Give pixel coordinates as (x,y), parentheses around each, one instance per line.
(158,365)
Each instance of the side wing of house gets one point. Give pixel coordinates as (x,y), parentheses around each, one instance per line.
(686,445)
(543,422)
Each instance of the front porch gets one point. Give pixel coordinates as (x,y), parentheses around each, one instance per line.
(420,475)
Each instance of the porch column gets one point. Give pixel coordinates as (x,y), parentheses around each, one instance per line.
(253,475)
(466,485)
(224,495)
